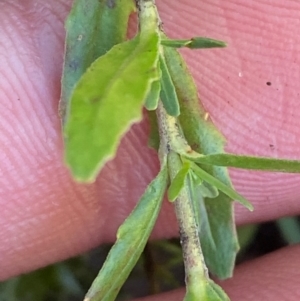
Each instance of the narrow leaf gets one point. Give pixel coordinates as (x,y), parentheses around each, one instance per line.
(203,136)
(205,189)
(152,98)
(168,94)
(106,101)
(92,28)
(201,215)
(196,180)
(221,186)
(131,240)
(200,42)
(153,140)
(178,182)
(248,162)
(208,191)
(194,43)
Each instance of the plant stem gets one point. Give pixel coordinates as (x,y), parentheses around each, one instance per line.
(147,15)
(195,268)
(172,144)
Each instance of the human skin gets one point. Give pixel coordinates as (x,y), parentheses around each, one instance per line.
(46,217)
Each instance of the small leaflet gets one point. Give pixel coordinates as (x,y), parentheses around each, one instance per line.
(178,182)
(248,162)
(152,98)
(221,186)
(194,43)
(168,93)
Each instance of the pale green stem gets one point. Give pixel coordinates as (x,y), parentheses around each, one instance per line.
(147,15)
(173,142)
(195,268)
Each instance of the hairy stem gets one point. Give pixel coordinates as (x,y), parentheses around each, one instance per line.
(147,15)
(171,137)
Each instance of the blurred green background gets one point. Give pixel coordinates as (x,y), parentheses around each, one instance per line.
(160,267)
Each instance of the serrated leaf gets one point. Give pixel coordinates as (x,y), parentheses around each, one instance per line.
(106,101)
(131,240)
(92,28)
(178,182)
(168,94)
(202,135)
(221,186)
(194,43)
(248,162)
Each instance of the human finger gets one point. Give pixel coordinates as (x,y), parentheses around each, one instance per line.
(47,217)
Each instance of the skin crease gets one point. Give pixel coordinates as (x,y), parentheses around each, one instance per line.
(46,217)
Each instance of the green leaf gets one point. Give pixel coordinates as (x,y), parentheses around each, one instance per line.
(208,191)
(289,229)
(92,28)
(199,208)
(131,240)
(106,101)
(153,140)
(194,43)
(168,94)
(248,162)
(205,189)
(202,135)
(221,186)
(152,98)
(246,235)
(178,182)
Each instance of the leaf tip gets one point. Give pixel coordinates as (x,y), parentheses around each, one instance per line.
(171,196)
(250,207)
(247,204)
(83,179)
(81,173)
